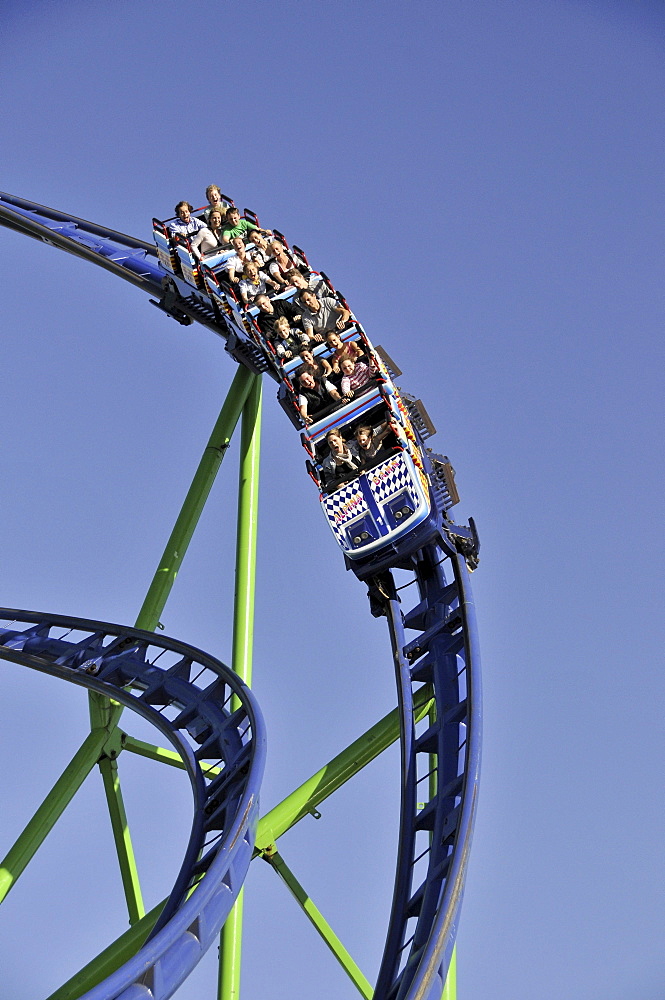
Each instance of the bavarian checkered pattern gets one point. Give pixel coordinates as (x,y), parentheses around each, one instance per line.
(388,478)
(342,506)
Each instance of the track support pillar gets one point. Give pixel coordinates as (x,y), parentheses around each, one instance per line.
(123,840)
(230,947)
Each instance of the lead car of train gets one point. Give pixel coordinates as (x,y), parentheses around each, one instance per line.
(401,498)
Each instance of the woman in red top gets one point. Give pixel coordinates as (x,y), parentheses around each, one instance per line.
(341,350)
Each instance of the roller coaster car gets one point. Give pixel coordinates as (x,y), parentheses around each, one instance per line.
(392,507)
(381,508)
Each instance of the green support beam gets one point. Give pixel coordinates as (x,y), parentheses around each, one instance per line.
(319,922)
(49,812)
(122,838)
(230,949)
(247,532)
(176,547)
(333,775)
(170,757)
(450,988)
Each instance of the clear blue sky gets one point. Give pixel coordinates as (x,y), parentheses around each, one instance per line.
(484,182)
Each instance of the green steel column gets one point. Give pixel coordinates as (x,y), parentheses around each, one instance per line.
(248,515)
(123,842)
(49,812)
(230,951)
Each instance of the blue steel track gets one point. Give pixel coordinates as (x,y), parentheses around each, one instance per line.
(434,643)
(189,696)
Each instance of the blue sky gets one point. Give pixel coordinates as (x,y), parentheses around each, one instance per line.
(484,182)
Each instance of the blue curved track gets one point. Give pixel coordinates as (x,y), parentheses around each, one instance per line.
(434,640)
(191,698)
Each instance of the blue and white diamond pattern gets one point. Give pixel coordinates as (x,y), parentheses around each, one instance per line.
(343,505)
(388,478)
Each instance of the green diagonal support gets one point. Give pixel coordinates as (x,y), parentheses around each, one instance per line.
(170,757)
(334,774)
(198,493)
(51,809)
(123,842)
(319,922)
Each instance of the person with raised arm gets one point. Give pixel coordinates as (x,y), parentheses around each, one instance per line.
(321,315)
(369,441)
(318,367)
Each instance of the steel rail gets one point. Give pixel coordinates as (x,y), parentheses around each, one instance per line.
(209,716)
(440,766)
(55,216)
